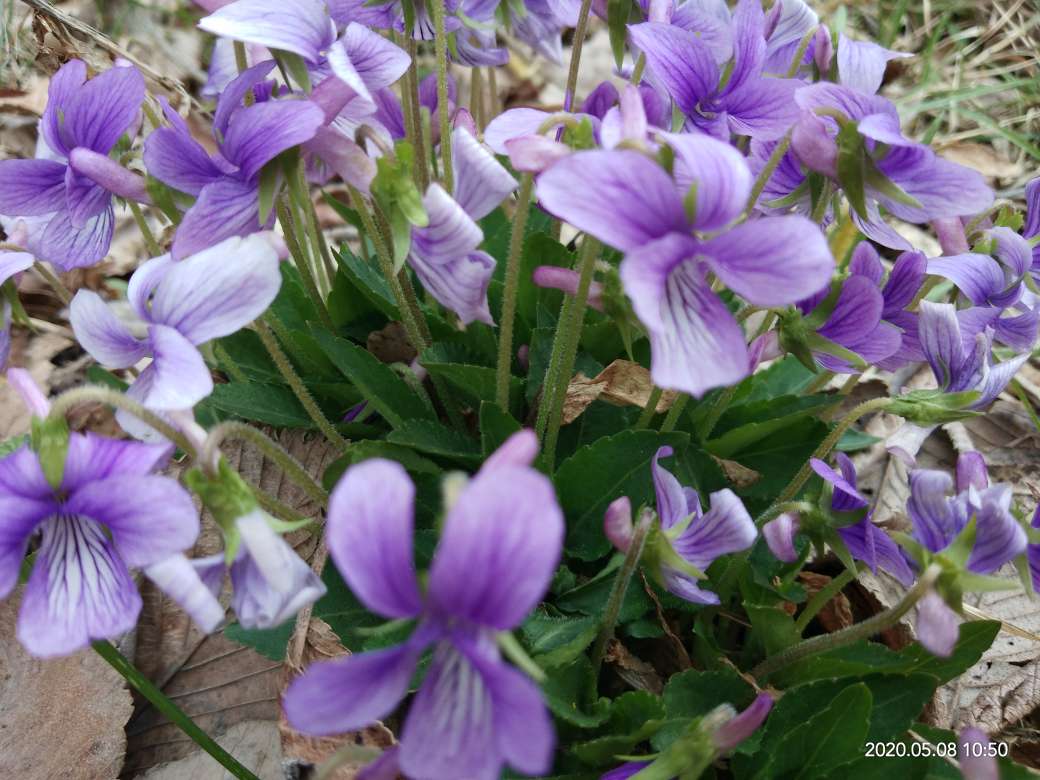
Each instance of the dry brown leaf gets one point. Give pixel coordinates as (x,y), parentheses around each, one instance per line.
(634,671)
(254,743)
(622,383)
(302,752)
(62,717)
(217,682)
(737,475)
(836,614)
(983,158)
(35,354)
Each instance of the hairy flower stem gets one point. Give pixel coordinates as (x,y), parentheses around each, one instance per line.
(852,634)
(476,97)
(415,326)
(509,295)
(146,232)
(828,444)
(566,341)
(617,592)
(767,173)
(650,409)
(821,597)
(718,408)
(56,284)
(440,46)
(799,54)
(175,714)
(298,251)
(413,114)
(675,413)
(293,469)
(492,78)
(576,46)
(106,395)
(285,368)
(307,220)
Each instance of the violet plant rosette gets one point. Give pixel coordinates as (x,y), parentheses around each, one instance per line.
(69,187)
(628,201)
(498,548)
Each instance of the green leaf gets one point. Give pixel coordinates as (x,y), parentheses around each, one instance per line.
(246,353)
(634,716)
(269,642)
(743,426)
(621,465)
(370,282)
(388,393)
(364,449)
(570,692)
(476,382)
(772,626)
(270,404)
(554,640)
(496,426)
(864,657)
(617,24)
(833,736)
(10,445)
(590,598)
(1009,770)
(851,167)
(694,693)
(436,439)
(340,608)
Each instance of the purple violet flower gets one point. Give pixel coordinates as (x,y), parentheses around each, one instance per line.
(864,540)
(941,188)
(687,539)
(227,185)
(938,518)
(70,184)
(1033,553)
(499,546)
(628,201)
(181,305)
(444,254)
(685,65)
(111,513)
(975,755)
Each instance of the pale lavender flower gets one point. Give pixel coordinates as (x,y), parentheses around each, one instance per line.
(687,539)
(181,305)
(270,582)
(628,201)
(864,540)
(1033,554)
(70,184)
(110,513)
(738,728)
(780,533)
(499,546)
(444,254)
(975,756)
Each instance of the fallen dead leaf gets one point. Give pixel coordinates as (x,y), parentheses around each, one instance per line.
(635,671)
(622,383)
(983,158)
(62,717)
(737,475)
(836,614)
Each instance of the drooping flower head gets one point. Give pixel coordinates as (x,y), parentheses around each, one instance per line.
(686,539)
(70,184)
(181,305)
(108,513)
(499,546)
(627,200)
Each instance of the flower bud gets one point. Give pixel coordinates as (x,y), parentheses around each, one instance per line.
(742,726)
(937,625)
(617,523)
(823,49)
(971,472)
(779,534)
(977,763)
(566,280)
(813,145)
(535,153)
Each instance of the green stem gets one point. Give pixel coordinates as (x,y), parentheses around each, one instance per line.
(828,444)
(650,409)
(227,363)
(514,651)
(822,597)
(767,172)
(285,368)
(799,54)
(146,232)
(440,45)
(852,634)
(509,295)
(637,72)
(293,469)
(617,592)
(820,382)
(297,249)
(674,413)
(54,282)
(567,340)
(492,91)
(317,237)
(576,46)
(107,395)
(176,715)
(717,410)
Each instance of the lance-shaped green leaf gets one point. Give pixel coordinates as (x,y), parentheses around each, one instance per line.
(852,154)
